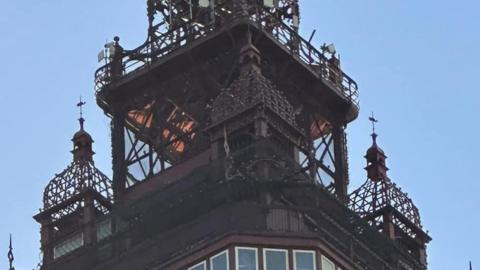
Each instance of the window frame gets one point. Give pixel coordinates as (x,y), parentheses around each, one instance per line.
(264,253)
(313,252)
(237,249)
(56,247)
(218,255)
(98,226)
(204,263)
(328,260)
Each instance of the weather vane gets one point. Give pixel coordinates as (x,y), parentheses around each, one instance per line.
(10,254)
(80,104)
(374,121)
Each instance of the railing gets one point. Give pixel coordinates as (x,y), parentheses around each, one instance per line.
(168,42)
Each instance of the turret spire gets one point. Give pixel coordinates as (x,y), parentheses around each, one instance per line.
(82,141)
(385,206)
(374,121)
(10,254)
(376,165)
(80,105)
(250,57)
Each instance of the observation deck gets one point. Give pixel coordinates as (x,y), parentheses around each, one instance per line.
(133,63)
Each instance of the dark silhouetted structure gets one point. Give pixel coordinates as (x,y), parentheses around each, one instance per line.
(229,152)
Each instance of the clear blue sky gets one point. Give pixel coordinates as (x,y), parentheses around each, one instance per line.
(416,63)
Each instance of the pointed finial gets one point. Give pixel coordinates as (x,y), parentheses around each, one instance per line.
(374,121)
(10,254)
(250,57)
(80,104)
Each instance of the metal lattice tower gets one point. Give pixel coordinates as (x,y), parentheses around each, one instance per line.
(228,136)
(164,121)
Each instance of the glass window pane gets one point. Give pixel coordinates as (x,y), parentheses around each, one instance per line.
(69,245)
(304,260)
(247,259)
(327,264)
(220,262)
(104,229)
(275,260)
(200,266)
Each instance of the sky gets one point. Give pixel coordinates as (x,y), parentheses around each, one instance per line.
(416,64)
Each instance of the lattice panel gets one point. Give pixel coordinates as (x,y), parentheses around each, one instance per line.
(77,178)
(142,160)
(157,136)
(374,196)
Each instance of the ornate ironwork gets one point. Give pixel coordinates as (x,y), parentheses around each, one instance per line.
(158,135)
(66,188)
(319,159)
(249,90)
(316,143)
(374,196)
(177,26)
(142,159)
(379,200)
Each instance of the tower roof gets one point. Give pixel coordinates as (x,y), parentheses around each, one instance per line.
(251,89)
(375,149)
(77,178)
(247,91)
(379,194)
(63,194)
(82,133)
(374,196)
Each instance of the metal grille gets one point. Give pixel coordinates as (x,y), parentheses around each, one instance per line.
(80,176)
(168,36)
(373,196)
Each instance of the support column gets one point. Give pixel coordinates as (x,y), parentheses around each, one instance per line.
(118,154)
(388,226)
(46,234)
(116,65)
(341,167)
(89,233)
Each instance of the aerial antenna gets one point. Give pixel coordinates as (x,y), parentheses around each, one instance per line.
(10,254)
(312,35)
(80,105)
(330,48)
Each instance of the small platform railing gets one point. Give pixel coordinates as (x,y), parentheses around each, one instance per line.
(143,56)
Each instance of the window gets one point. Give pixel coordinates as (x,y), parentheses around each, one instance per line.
(327,264)
(104,229)
(69,245)
(275,259)
(246,258)
(304,260)
(200,266)
(219,261)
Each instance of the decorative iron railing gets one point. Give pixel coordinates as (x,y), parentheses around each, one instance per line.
(172,39)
